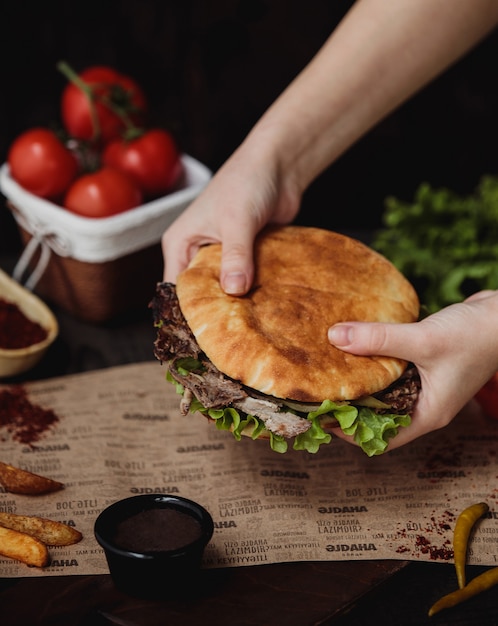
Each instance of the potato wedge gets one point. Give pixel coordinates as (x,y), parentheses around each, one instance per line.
(52,533)
(17,480)
(22,547)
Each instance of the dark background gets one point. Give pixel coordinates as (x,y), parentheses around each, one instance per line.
(210,69)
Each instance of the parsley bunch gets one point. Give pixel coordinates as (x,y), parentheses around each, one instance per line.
(445,244)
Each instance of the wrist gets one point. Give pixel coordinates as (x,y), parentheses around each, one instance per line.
(265,158)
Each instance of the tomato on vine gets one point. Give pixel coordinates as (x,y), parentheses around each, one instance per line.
(41,163)
(102,193)
(151,159)
(99,103)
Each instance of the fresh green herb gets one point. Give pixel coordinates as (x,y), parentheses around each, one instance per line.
(445,244)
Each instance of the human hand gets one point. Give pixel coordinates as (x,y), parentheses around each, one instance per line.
(247,193)
(455,351)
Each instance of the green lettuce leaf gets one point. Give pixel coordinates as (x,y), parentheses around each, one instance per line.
(189,364)
(372,431)
(312,439)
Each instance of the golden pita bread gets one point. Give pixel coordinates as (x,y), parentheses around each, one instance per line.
(275,338)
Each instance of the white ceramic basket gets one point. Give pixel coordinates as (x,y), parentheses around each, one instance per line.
(95,268)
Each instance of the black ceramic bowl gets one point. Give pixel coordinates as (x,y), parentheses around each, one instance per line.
(154,543)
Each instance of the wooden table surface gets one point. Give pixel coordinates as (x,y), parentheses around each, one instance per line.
(295,594)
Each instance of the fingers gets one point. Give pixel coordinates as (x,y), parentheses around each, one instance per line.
(183,239)
(172,267)
(176,255)
(374,338)
(480,295)
(242,197)
(236,276)
(237,260)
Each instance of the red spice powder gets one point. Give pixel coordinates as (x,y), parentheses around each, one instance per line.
(443,553)
(25,421)
(16,330)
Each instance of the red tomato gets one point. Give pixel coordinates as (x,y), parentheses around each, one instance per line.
(114,95)
(151,159)
(102,193)
(41,163)
(487,397)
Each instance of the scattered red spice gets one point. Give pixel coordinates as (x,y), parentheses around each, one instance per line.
(27,422)
(443,525)
(442,553)
(16,330)
(423,545)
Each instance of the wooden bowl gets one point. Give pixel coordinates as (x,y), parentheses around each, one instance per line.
(20,360)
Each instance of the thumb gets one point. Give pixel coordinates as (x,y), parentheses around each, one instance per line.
(374,338)
(237,271)
(237,262)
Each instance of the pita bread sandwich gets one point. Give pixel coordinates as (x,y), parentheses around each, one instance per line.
(261,365)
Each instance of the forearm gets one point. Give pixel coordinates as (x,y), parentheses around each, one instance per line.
(380,54)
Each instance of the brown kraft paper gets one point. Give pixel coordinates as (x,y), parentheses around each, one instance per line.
(119,432)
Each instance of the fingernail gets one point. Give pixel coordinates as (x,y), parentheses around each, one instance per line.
(234,284)
(340,335)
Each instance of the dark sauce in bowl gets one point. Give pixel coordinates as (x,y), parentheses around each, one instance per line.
(154,543)
(157,530)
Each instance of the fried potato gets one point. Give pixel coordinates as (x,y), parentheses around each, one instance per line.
(17,480)
(22,547)
(48,531)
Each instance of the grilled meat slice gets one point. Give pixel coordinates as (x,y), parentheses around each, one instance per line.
(403,393)
(212,388)
(174,338)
